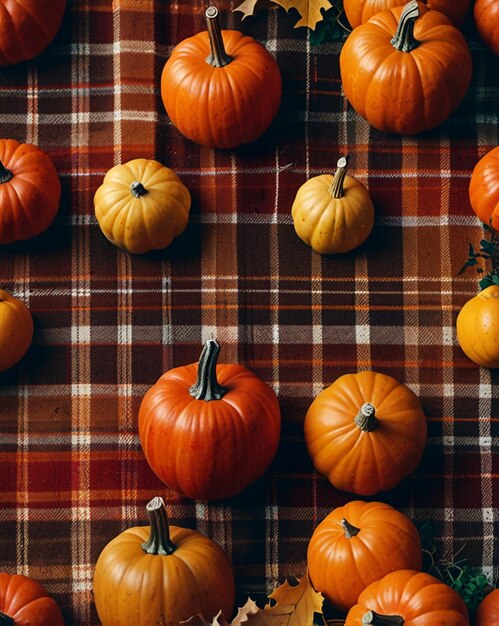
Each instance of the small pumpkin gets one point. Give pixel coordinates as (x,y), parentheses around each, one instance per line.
(16,330)
(221,88)
(408,598)
(359,11)
(357,544)
(28,27)
(333,214)
(488,610)
(484,189)
(142,205)
(207,430)
(30,191)
(406,69)
(486,15)
(161,574)
(477,327)
(25,601)
(365,432)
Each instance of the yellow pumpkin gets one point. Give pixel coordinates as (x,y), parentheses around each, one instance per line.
(16,330)
(142,205)
(477,328)
(333,214)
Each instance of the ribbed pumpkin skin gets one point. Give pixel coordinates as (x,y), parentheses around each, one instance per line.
(477,328)
(405,92)
(16,330)
(150,222)
(34,191)
(27,602)
(209,450)
(341,567)
(359,11)
(419,598)
(221,107)
(365,462)
(27,27)
(488,611)
(484,188)
(486,14)
(132,588)
(332,225)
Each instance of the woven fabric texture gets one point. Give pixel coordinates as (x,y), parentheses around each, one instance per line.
(108,323)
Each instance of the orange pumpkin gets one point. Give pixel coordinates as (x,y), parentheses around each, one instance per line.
(408,598)
(30,191)
(486,14)
(333,214)
(488,610)
(484,189)
(208,431)
(359,11)
(357,544)
(405,70)
(221,88)
(16,330)
(366,432)
(477,328)
(161,575)
(27,27)
(24,601)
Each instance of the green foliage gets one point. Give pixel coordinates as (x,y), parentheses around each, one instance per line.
(333,27)
(488,253)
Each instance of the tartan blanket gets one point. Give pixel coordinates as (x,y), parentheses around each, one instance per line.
(108,324)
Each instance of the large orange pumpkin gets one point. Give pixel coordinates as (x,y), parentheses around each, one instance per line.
(486,14)
(488,610)
(357,544)
(16,330)
(405,70)
(484,189)
(221,88)
(477,327)
(30,191)
(27,27)
(359,11)
(408,598)
(161,575)
(25,602)
(365,432)
(208,431)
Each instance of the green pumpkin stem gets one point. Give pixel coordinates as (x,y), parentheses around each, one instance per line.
(336,187)
(5,620)
(218,57)
(207,387)
(404,39)
(350,529)
(366,418)
(138,189)
(5,174)
(371,618)
(159,541)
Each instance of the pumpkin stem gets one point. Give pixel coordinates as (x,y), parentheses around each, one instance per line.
(138,189)
(5,620)
(371,618)
(404,39)
(336,187)
(366,419)
(218,57)
(207,387)
(159,541)
(5,174)
(350,529)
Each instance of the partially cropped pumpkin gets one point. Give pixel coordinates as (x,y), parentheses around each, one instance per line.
(365,432)
(27,27)
(477,327)
(16,330)
(406,69)
(30,191)
(142,205)
(484,189)
(25,601)
(161,574)
(408,598)
(357,544)
(488,610)
(359,11)
(207,430)
(486,14)
(333,214)
(221,88)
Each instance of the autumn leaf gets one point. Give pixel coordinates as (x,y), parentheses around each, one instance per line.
(247,8)
(309,10)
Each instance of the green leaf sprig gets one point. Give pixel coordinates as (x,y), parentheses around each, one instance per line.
(333,27)
(487,253)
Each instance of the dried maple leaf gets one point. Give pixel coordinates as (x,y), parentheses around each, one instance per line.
(310,10)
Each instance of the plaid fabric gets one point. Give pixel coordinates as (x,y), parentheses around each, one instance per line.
(108,324)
